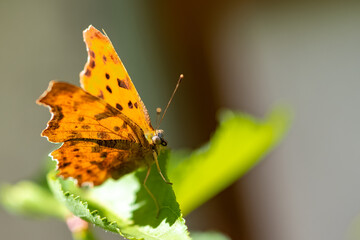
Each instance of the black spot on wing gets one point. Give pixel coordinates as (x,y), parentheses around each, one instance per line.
(122,84)
(88,72)
(109,89)
(118,106)
(92,64)
(66,164)
(130,105)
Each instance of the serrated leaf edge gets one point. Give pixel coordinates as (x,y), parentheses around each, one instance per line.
(106,223)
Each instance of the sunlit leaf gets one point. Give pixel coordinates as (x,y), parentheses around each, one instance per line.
(124,206)
(237,145)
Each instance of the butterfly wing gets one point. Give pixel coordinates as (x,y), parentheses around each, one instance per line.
(99,141)
(105,76)
(77,114)
(92,162)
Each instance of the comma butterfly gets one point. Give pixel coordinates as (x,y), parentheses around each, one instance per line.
(104,126)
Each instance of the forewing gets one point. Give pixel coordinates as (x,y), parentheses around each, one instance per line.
(105,76)
(77,114)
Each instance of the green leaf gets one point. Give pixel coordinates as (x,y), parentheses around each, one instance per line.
(237,145)
(124,206)
(30,199)
(208,236)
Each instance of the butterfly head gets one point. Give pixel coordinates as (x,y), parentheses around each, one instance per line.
(158,138)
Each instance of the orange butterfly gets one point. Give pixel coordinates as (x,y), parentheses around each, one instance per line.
(104,126)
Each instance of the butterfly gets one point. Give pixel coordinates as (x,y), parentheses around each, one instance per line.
(104,126)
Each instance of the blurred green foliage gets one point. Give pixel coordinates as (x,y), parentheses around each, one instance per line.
(238,144)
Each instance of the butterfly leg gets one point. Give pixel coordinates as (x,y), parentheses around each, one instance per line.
(150,193)
(158,168)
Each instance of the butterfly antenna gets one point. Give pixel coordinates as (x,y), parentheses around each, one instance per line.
(172,96)
(158,112)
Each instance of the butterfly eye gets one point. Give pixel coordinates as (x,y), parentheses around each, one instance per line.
(156,140)
(160,133)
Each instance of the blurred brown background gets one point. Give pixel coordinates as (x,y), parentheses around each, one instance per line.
(242,55)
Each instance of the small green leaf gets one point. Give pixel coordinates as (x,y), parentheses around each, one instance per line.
(28,198)
(237,145)
(124,206)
